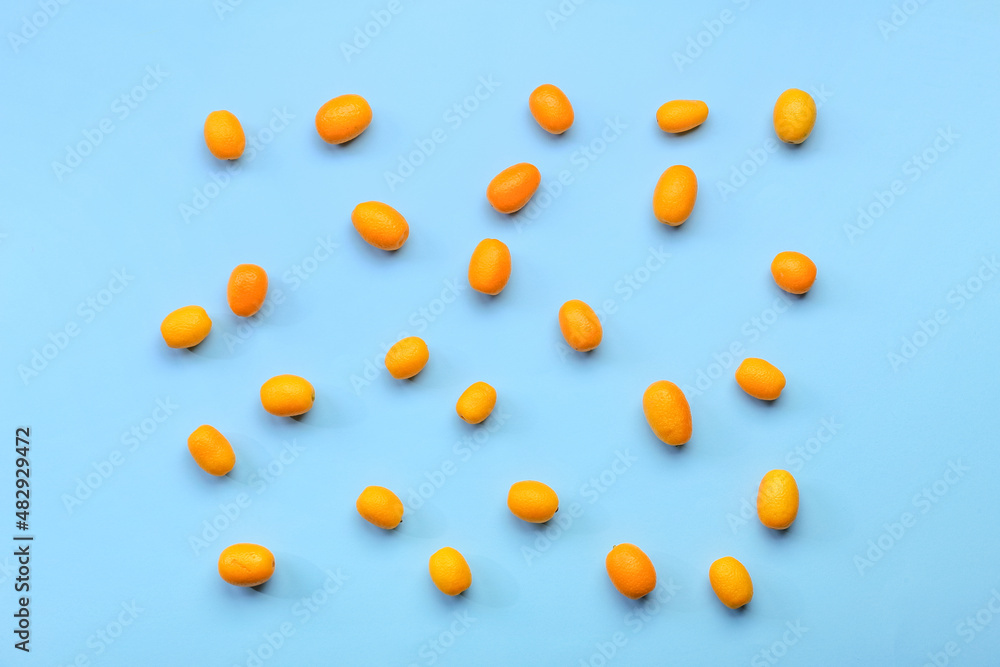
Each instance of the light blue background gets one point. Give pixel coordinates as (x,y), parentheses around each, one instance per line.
(562,417)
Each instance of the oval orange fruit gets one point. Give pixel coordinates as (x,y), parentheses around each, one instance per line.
(731,582)
(777,499)
(793,272)
(211,450)
(551,108)
(794,116)
(532,501)
(476,403)
(380,225)
(513,187)
(631,571)
(407,357)
(247,289)
(489,268)
(246,564)
(760,379)
(675,194)
(287,395)
(449,571)
(580,325)
(667,412)
(185,327)
(380,506)
(343,118)
(681,115)
(224,135)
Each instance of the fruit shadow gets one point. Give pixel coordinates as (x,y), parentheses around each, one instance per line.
(797,297)
(529,529)
(676,229)
(672,450)
(296,577)
(714,601)
(424,522)
(377,254)
(675,136)
(354,145)
(484,300)
(323,413)
(640,606)
(212,347)
(493,585)
(778,535)
(251,456)
(757,403)
(554,139)
(213,164)
(449,603)
(375,533)
(405,384)
(739,611)
(518,217)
